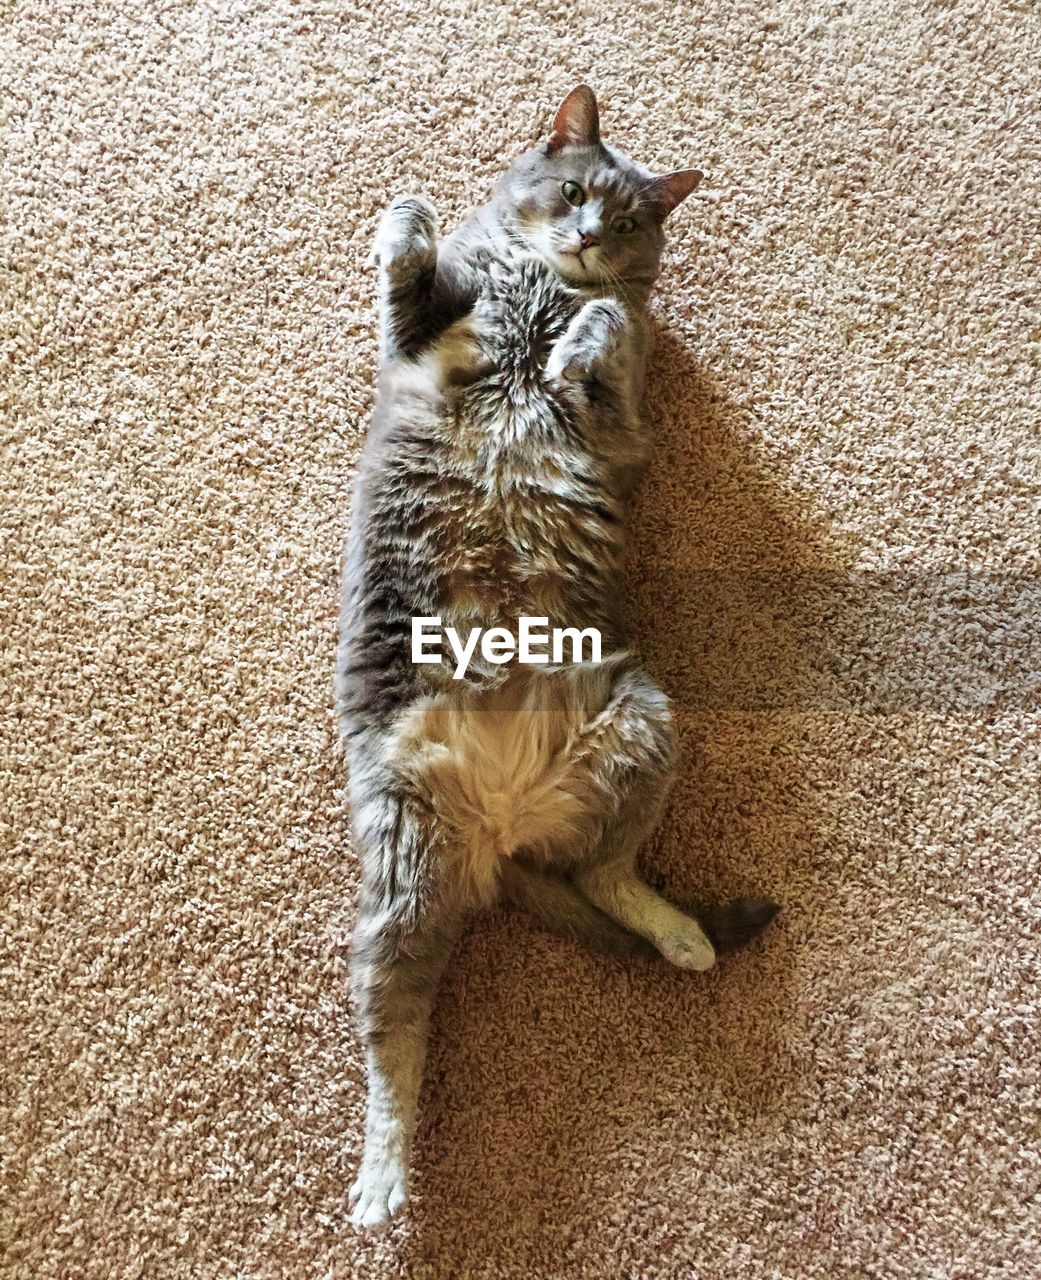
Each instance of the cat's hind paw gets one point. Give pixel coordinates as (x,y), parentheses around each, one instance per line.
(689,949)
(378,1195)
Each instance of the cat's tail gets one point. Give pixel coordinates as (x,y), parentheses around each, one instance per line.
(737,923)
(559,905)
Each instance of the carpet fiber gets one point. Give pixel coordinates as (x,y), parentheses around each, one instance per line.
(835,575)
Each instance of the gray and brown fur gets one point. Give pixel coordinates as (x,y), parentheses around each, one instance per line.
(495,483)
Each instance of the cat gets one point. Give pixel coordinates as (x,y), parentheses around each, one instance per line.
(494,485)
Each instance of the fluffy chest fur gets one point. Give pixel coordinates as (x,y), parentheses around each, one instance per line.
(519,509)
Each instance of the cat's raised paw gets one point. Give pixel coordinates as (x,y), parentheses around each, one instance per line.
(590,338)
(407,234)
(377,1196)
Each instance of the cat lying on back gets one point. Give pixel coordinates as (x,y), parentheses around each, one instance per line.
(494,484)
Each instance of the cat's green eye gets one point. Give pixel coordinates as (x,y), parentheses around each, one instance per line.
(624,226)
(573,193)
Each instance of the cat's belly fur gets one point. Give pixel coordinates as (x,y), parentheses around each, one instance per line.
(502,767)
(520,514)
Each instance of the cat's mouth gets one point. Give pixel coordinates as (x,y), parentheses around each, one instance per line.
(575,262)
(570,260)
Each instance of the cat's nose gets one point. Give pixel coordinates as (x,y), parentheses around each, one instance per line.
(588,239)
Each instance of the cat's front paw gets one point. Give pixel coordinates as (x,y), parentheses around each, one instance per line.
(378,1195)
(591,338)
(407,236)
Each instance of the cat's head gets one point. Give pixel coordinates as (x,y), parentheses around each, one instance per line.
(593,214)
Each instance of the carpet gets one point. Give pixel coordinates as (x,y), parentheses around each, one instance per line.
(834,575)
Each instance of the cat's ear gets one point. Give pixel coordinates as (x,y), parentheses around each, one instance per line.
(666,192)
(577,123)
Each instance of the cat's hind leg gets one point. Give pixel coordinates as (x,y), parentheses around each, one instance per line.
(405,931)
(620,765)
(395,976)
(688,939)
(616,888)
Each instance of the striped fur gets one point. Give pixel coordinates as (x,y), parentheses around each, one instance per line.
(495,484)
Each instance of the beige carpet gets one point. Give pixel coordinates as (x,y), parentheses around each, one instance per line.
(835,575)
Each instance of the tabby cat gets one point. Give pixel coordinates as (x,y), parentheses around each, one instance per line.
(494,485)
